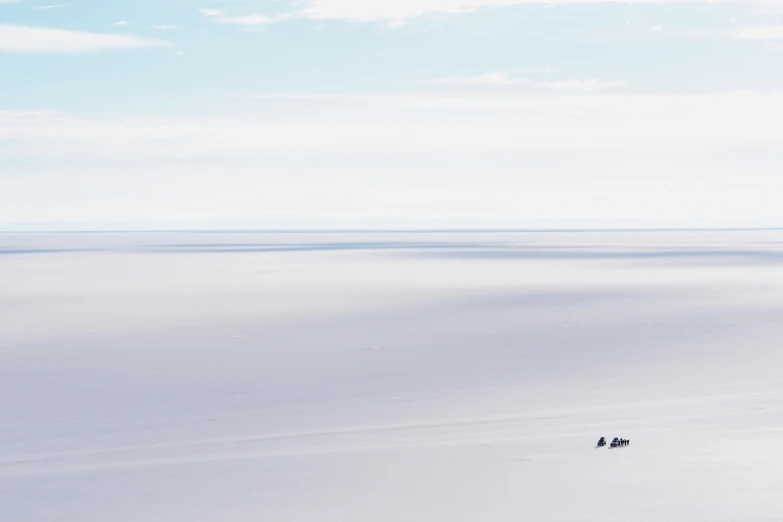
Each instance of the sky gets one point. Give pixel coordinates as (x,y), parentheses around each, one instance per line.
(390,114)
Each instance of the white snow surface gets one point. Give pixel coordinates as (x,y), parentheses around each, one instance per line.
(389,377)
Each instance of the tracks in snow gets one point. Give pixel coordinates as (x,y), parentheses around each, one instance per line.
(707,414)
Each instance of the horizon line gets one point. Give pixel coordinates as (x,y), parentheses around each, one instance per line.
(384,230)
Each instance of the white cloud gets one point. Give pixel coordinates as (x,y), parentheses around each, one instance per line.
(374,10)
(23,39)
(430,125)
(773,32)
(53,6)
(770,10)
(540,69)
(532,154)
(395,13)
(509,78)
(251,19)
(211,12)
(121,23)
(219,16)
(505,77)
(493,78)
(583,85)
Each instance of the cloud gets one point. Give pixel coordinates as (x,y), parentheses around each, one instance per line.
(506,77)
(251,19)
(121,23)
(509,78)
(493,78)
(583,85)
(53,6)
(414,124)
(219,16)
(360,154)
(211,12)
(395,13)
(23,39)
(375,10)
(773,32)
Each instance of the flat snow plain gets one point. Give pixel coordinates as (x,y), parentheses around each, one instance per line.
(391,377)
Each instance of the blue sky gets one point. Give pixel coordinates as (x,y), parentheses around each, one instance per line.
(390,114)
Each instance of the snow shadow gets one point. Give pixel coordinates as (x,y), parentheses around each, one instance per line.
(22,251)
(201,248)
(598,253)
